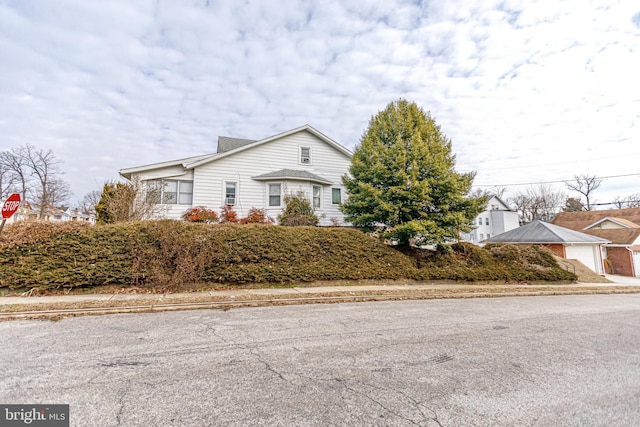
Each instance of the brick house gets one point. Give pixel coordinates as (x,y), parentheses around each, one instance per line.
(620,226)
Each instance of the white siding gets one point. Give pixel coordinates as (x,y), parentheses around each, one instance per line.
(283,153)
(172,172)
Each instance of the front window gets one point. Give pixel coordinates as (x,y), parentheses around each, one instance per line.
(185,193)
(169,192)
(316,196)
(336,196)
(274,194)
(486,221)
(230,193)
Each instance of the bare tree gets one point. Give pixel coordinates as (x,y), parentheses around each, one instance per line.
(539,202)
(7,181)
(57,191)
(499,191)
(631,201)
(130,201)
(585,185)
(43,166)
(89,201)
(13,162)
(34,172)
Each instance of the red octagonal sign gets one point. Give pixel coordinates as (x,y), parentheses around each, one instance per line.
(11,205)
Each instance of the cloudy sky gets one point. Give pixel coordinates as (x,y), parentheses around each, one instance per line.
(528,92)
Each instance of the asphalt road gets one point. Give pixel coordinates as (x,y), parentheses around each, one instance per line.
(564,360)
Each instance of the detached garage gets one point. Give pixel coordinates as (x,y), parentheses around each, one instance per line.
(565,243)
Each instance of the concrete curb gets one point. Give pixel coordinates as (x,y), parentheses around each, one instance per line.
(347,294)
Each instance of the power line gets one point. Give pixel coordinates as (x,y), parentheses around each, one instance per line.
(564,181)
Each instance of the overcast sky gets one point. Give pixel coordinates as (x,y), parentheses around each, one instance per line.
(531,93)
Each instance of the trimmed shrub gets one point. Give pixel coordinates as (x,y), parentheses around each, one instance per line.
(227,214)
(257,216)
(200,214)
(297,211)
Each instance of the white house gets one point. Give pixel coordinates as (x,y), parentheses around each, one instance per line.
(248,173)
(497,218)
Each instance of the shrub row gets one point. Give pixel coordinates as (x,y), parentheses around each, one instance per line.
(165,253)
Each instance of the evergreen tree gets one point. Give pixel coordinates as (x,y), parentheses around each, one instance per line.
(402,179)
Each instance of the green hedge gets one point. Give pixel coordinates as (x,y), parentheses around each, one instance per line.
(156,253)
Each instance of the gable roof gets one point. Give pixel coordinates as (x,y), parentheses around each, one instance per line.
(226,143)
(625,223)
(228,146)
(543,232)
(617,236)
(493,196)
(127,172)
(291,174)
(241,148)
(582,220)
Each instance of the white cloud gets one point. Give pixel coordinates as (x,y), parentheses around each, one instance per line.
(527,93)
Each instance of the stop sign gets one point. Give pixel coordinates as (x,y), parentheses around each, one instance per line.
(11,205)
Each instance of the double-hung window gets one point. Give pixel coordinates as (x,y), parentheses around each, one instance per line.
(230,192)
(336,196)
(185,192)
(317,191)
(275,193)
(305,155)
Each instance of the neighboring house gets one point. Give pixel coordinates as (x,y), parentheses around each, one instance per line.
(249,174)
(495,219)
(563,242)
(29,212)
(620,226)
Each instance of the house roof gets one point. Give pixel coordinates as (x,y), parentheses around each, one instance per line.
(617,236)
(543,232)
(291,174)
(228,146)
(625,223)
(226,143)
(581,220)
(247,146)
(126,173)
(493,196)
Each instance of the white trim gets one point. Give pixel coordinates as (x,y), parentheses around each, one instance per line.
(310,156)
(340,191)
(320,204)
(605,219)
(268,187)
(224,192)
(127,172)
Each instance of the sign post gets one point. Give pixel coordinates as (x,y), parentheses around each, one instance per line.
(9,207)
